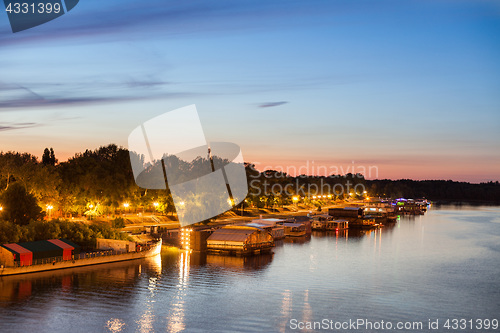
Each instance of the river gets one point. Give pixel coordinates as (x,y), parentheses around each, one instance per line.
(443,265)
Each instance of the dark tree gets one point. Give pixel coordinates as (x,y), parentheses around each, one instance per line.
(53,159)
(19,206)
(49,157)
(46,156)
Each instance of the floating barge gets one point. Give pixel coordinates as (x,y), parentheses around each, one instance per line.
(16,258)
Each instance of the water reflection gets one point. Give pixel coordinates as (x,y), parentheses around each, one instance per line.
(154,264)
(286,309)
(307,313)
(298,240)
(176,316)
(145,323)
(115,325)
(18,288)
(241,263)
(338,235)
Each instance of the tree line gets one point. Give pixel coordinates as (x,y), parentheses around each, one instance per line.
(82,234)
(100,182)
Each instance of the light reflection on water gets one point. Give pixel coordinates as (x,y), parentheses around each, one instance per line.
(176,317)
(444,264)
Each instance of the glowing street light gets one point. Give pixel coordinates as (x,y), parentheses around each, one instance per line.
(295,199)
(1,208)
(156,204)
(126,205)
(49,208)
(91,206)
(186,238)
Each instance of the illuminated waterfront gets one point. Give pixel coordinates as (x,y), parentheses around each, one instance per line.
(444,264)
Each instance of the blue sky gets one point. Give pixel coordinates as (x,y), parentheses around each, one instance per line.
(411,87)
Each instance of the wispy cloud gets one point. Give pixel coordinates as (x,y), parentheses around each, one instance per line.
(68,94)
(17,126)
(271,104)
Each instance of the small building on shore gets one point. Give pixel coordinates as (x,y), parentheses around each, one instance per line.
(240,240)
(38,252)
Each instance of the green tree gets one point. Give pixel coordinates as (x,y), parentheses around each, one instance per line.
(19,206)
(9,232)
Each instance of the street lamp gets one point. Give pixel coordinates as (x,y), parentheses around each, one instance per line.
(243,206)
(126,205)
(49,208)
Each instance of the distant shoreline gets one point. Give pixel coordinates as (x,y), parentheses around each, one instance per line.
(466,202)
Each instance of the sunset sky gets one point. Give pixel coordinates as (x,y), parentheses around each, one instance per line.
(410,89)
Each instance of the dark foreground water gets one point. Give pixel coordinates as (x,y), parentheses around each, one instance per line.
(444,265)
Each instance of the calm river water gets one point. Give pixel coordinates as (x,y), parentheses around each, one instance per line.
(444,265)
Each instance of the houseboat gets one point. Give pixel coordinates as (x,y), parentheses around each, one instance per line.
(364,223)
(240,240)
(319,221)
(294,229)
(346,212)
(303,219)
(336,225)
(381,213)
(273,226)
